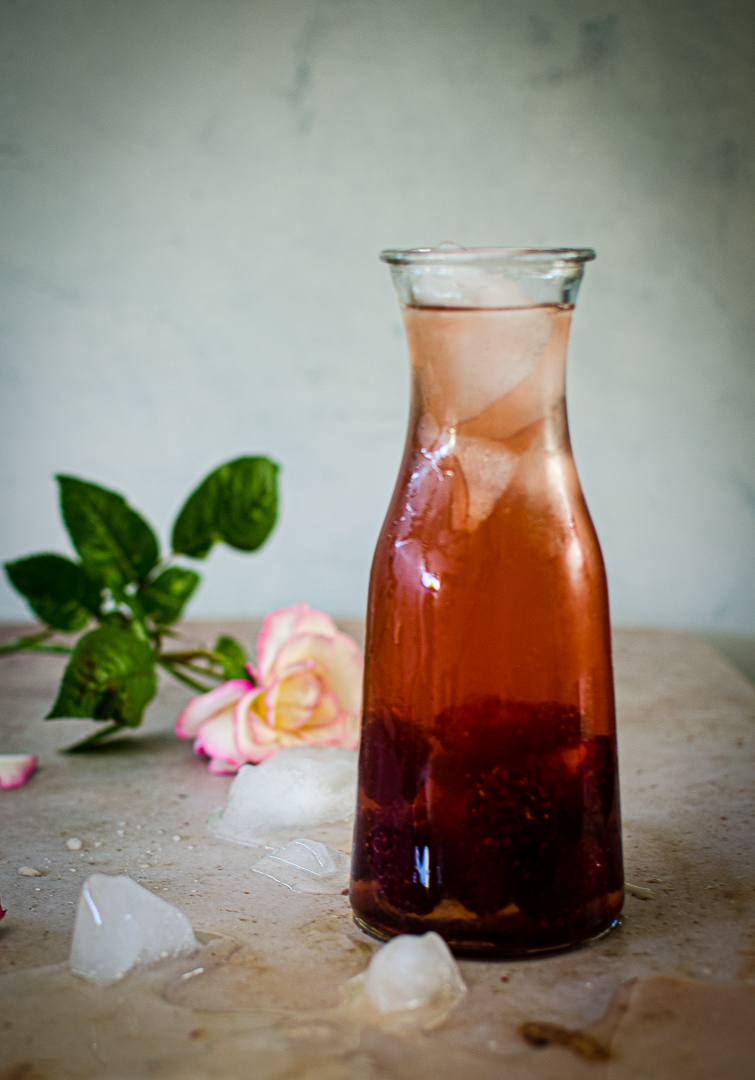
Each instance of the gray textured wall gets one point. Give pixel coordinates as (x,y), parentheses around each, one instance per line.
(194,193)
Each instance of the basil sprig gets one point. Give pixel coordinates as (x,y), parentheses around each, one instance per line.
(127,597)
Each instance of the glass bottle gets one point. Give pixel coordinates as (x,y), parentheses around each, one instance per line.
(488,804)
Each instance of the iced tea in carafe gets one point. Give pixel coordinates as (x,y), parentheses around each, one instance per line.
(488,804)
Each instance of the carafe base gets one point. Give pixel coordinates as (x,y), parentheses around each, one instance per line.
(492,950)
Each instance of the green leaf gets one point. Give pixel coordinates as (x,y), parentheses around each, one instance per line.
(56,589)
(111,676)
(115,543)
(117,619)
(232,657)
(163,599)
(237,503)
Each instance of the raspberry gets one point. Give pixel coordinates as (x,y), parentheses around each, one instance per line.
(394,758)
(391,852)
(521,808)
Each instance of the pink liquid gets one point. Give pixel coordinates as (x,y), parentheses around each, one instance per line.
(488,801)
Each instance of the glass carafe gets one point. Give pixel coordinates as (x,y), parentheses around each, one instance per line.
(488,804)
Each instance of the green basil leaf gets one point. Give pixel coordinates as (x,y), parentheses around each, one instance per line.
(163,599)
(237,504)
(114,542)
(56,589)
(232,657)
(111,676)
(117,619)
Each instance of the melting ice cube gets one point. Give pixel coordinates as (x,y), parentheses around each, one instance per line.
(487,468)
(120,924)
(465,287)
(307,866)
(471,359)
(289,793)
(414,971)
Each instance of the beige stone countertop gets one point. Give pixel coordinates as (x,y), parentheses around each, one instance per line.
(269,1007)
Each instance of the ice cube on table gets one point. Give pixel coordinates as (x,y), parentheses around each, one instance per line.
(120,924)
(307,866)
(289,793)
(413,971)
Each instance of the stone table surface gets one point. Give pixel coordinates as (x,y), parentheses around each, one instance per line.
(140,805)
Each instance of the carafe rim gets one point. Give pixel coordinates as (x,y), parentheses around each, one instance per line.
(458,254)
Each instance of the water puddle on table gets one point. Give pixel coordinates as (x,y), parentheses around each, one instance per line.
(228,1012)
(225,1012)
(183,1018)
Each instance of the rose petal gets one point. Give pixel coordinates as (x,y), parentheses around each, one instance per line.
(333,735)
(280,625)
(218,767)
(216,739)
(327,713)
(349,725)
(329,725)
(202,707)
(338,663)
(255,739)
(290,701)
(15,769)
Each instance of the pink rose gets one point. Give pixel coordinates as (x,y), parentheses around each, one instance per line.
(208,719)
(15,769)
(306,690)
